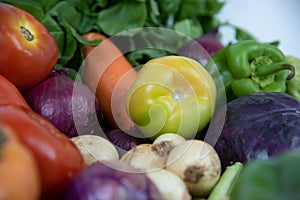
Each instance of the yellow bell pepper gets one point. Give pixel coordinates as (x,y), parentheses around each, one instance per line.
(171,94)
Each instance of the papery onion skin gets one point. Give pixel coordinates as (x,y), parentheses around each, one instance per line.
(108,182)
(170,185)
(67,104)
(172,138)
(144,157)
(95,148)
(197,164)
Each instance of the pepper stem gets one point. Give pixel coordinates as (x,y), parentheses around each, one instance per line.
(276,67)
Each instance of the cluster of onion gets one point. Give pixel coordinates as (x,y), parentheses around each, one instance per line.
(178,167)
(195,162)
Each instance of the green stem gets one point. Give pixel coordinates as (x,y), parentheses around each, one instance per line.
(226,182)
(274,68)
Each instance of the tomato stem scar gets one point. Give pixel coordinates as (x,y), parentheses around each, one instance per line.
(26,33)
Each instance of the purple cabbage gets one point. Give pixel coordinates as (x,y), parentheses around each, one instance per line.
(202,48)
(67,104)
(111,181)
(258,126)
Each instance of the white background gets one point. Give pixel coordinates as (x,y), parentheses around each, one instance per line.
(267,20)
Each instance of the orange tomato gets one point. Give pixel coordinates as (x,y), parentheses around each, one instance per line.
(58,159)
(108,73)
(19,176)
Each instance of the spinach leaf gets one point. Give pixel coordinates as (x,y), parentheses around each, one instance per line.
(276,178)
(78,37)
(122,16)
(34,8)
(192,8)
(168,9)
(69,48)
(189,27)
(153,18)
(47,4)
(57,33)
(66,13)
(140,56)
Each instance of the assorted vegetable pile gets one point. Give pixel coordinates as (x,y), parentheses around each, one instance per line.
(141,100)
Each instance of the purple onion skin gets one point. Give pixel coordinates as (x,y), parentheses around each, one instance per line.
(202,48)
(106,182)
(258,126)
(124,140)
(52,99)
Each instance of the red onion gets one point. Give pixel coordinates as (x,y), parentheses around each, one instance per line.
(111,181)
(203,47)
(124,141)
(68,104)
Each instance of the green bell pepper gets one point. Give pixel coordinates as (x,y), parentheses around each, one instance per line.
(172,94)
(277,178)
(293,85)
(250,66)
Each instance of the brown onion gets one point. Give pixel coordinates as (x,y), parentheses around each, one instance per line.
(146,156)
(171,138)
(171,187)
(95,148)
(197,164)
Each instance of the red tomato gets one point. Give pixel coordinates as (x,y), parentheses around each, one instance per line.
(28,51)
(9,94)
(58,159)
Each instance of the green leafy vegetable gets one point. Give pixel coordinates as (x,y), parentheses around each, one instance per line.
(46,4)
(196,8)
(274,179)
(189,27)
(65,14)
(34,8)
(122,16)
